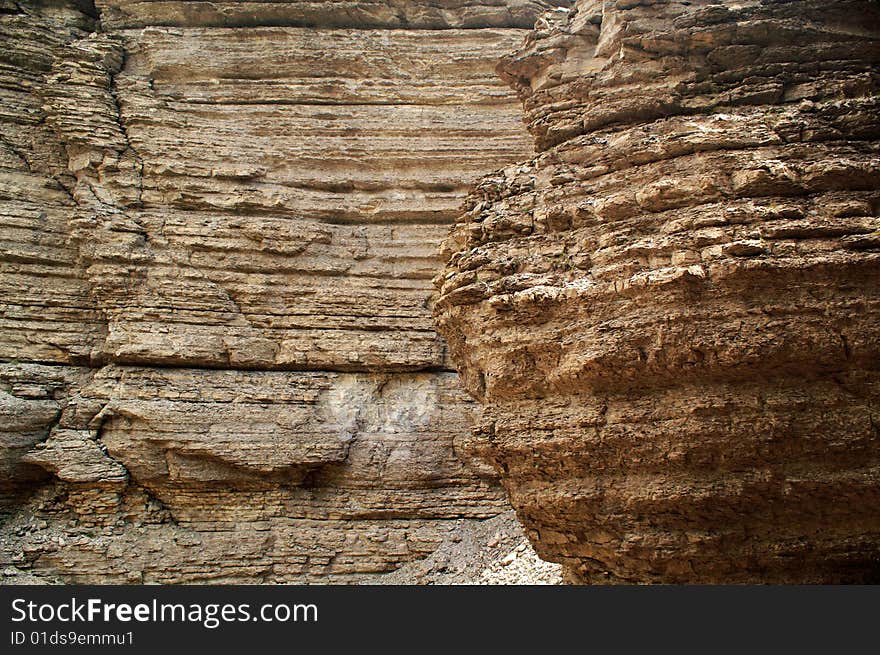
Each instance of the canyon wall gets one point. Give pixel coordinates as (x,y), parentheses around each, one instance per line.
(220,221)
(670,314)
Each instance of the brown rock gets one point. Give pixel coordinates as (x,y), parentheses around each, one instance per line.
(670,313)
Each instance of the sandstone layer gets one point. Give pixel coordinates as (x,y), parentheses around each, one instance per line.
(670,314)
(220,222)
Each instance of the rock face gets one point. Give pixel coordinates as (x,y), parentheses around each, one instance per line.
(671,313)
(219,223)
(491,552)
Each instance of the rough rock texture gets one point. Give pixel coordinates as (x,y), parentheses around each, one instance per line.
(671,312)
(490,552)
(219,227)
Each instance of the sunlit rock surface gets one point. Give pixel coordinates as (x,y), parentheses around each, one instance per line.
(219,224)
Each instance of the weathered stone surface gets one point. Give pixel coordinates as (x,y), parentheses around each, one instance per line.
(46,313)
(219,228)
(194,475)
(74,456)
(418,14)
(670,313)
(32,399)
(260,186)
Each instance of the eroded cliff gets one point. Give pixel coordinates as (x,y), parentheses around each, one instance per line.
(220,222)
(670,314)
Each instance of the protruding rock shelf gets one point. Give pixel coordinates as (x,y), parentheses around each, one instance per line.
(671,313)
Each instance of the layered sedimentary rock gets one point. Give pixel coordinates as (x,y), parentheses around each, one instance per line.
(219,225)
(671,313)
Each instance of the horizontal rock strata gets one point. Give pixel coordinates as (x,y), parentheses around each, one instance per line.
(219,225)
(670,313)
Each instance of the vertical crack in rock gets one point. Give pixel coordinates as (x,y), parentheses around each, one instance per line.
(670,313)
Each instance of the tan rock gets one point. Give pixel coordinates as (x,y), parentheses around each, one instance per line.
(220,222)
(74,456)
